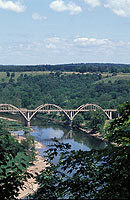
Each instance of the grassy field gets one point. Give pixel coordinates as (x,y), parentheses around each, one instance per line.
(105,76)
(108,77)
(3,76)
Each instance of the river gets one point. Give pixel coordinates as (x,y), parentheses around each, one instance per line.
(45,132)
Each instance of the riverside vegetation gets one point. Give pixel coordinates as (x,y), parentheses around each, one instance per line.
(15,158)
(102,174)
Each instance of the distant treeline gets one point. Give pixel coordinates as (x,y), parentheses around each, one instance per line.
(79,67)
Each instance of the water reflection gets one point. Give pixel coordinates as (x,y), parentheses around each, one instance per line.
(77,139)
(44,132)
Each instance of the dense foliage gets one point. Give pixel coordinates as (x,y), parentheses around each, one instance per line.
(15,157)
(102,174)
(119,129)
(93,120)
(67,91)
(79,67)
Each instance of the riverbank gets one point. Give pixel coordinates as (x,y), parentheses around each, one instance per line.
(30,186)
(97,135)
(14,125)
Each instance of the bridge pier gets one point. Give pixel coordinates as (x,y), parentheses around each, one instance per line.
(69,119)
(27,120)
(27,123)
(69,122)
(110,114)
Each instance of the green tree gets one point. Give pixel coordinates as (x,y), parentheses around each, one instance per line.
(78,120)
(8,74)
(97,120)
(118,130)
(3,80)
(13,75)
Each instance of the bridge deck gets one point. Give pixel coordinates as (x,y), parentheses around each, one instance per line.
(56,110)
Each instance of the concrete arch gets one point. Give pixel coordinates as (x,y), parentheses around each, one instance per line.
(52,105)
(15,108)
(93,107)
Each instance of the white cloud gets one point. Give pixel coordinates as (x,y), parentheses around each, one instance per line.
(13,6)
(119,7)
(54,39)
(65,50)
(36,16)
(84,41)
(54,43)
(60,6)
(93,3)
(73,8)
(51,46)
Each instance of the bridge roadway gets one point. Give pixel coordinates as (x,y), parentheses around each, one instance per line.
(48,108)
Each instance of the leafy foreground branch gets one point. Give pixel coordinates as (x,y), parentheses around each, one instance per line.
(15,158)
(103,174)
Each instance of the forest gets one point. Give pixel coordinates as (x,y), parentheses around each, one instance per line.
(67,91)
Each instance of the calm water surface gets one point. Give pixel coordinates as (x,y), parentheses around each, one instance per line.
(45,133)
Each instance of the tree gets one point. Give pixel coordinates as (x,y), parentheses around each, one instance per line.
(13,75)
(58,73)
(8,74)
(97,120)
(3,80)
(119,128)
(102,174)
(25,75)
(78,120)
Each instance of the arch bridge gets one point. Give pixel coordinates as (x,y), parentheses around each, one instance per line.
(48,108)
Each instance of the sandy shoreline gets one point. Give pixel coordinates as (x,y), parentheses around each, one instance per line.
(39,164)
(97,135)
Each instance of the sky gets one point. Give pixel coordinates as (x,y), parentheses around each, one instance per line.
(64,31)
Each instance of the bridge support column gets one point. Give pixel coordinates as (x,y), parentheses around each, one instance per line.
(110,114)
(27,123)
(69,122)
(70,119)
